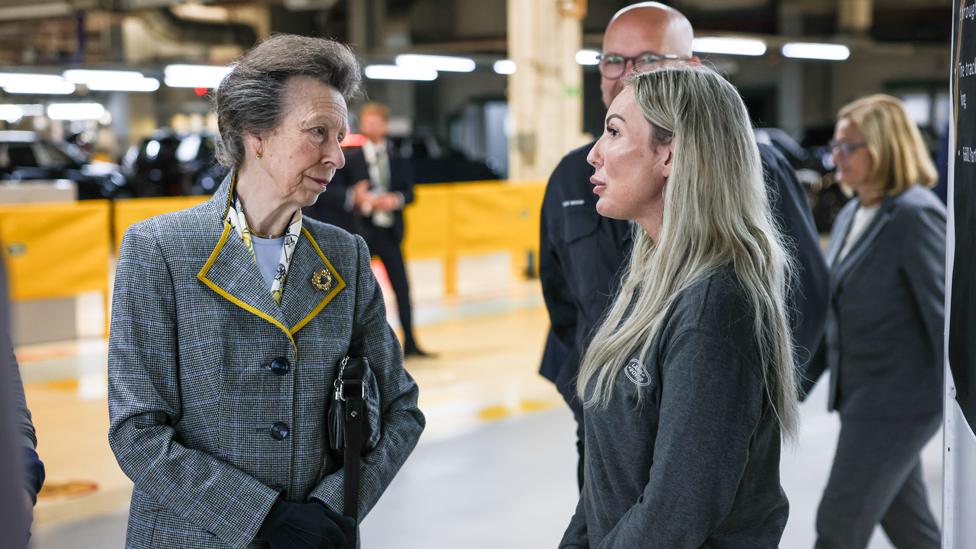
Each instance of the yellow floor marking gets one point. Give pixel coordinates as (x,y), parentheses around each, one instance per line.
(494,413)
(67,489)
(62,385)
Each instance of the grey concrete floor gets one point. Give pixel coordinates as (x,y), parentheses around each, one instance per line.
(511,484)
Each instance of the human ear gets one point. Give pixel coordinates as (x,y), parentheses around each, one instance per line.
(253,144)
(668,161)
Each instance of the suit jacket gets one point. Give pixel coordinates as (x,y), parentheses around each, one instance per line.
(27,436)
(884,337)
(206,425)
(13,519)
(401,181)
(334,206)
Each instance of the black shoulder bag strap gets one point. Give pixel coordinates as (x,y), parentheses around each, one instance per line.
(351,390)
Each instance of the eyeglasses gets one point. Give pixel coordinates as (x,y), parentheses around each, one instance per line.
(844,149)
(613,65)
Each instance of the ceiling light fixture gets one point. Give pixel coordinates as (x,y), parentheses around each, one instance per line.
(104,80)
(75,111)
(395,72)
(11,113)
(588,57)
(441,63)
(194,76)
(504,66)
(823,52)
(729,46)
(38,84)
(144,85)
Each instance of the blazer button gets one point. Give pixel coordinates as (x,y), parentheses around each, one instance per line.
(280,366)
(280,431)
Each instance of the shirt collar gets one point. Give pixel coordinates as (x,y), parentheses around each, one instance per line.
(372,149)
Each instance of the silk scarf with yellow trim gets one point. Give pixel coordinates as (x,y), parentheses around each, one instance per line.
(235,216)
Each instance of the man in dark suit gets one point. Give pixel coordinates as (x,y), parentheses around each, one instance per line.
(336,205)
(375,185)
(582,254)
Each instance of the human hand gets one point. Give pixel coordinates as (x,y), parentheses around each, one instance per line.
(361,196)
(345,523)
(386,202)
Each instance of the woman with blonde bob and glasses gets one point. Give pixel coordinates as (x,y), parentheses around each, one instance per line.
(689,383)
(884,335)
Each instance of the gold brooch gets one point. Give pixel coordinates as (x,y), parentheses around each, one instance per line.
(322,280)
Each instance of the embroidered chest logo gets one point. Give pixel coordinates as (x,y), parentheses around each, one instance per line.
(636,373)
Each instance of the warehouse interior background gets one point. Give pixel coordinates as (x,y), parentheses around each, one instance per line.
(106,119)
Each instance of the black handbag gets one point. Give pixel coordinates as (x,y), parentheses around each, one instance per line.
(355,380)
(354,429)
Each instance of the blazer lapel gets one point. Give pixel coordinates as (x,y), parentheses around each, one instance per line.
(312,283)
(230,270)
(837,237)
(863,244)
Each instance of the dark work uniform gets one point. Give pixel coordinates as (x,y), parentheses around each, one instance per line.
(686,453)
(384,242)
(582,254)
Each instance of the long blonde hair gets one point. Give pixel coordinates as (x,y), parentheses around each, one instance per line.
(716,213)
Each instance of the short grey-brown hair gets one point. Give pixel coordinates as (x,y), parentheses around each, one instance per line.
(248,100)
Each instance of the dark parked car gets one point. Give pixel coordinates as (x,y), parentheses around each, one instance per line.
(173,164)
(27,156)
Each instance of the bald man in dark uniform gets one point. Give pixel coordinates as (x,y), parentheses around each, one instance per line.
(582,253)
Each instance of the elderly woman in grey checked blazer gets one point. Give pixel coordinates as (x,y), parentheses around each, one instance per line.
(229,320)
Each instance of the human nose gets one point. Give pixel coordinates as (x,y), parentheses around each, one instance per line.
(333,154)
(595,157)
(837,154)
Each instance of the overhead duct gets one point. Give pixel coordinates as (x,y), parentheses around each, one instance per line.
(165,24)
(306,5)
(19,11)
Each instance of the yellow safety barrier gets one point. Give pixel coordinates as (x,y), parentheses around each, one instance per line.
(56,250)
(447,221)
(130,211)
(62,250)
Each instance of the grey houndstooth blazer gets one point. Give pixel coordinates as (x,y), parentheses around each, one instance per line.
(202,420)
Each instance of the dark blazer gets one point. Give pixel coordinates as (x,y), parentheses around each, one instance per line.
(401,180)
(334,206)
(218,396)
(884,337)
(13,519)
(24,424)
(26,435)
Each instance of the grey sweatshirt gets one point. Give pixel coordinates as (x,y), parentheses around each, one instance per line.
(695,464)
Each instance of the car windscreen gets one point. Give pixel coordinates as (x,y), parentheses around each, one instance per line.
(21,155)
(50,155)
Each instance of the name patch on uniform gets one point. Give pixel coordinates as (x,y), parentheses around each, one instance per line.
(568,203)
(637,374)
